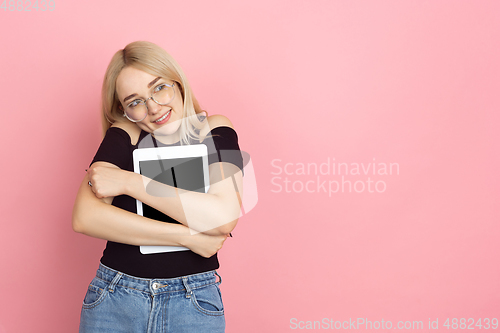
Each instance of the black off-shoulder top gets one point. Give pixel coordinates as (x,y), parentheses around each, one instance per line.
(117,149)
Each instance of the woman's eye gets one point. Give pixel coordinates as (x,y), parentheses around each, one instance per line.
(160,87)
(134,103)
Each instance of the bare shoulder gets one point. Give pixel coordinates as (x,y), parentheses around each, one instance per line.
(217,120)
(132,130)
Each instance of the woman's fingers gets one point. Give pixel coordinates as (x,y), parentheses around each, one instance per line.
(106,181)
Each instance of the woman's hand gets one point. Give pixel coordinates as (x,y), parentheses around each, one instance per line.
(204,245)
(108,181)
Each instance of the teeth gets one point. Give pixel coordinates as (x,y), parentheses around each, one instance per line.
(163,118)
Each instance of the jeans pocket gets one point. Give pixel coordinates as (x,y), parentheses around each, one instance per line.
(96,293)
(208,300)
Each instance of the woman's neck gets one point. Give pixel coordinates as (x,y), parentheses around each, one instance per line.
(166,139)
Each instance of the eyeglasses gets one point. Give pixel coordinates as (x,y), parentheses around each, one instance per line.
(137,110)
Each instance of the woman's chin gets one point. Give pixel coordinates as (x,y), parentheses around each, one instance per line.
(167,130)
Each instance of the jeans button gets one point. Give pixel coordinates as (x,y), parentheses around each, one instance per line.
(156,285)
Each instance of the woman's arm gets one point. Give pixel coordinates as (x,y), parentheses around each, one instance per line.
(97,218)
(214,213)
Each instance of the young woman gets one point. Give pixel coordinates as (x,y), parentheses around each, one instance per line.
(146,95)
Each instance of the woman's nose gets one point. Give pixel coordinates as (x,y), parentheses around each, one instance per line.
(153,107)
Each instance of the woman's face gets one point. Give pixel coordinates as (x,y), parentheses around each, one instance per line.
(162,120)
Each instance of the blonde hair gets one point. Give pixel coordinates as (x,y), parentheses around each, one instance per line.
(152,59)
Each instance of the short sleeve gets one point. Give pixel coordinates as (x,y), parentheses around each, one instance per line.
(226,145)
(114,148)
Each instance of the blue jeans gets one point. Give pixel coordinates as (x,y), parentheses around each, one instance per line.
(117,302)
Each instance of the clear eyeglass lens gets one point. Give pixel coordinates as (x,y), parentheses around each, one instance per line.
(163,94)
(137,110)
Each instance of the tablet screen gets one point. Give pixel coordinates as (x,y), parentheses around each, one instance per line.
(185,173)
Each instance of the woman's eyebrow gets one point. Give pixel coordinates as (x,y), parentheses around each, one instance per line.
(149,86)
(153,82)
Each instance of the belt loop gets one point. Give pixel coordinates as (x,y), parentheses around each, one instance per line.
(115,281)
(189,292)
(220,279)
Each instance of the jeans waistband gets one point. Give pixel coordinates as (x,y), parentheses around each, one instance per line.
(157,286)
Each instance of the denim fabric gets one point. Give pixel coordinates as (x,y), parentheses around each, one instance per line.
(117,302)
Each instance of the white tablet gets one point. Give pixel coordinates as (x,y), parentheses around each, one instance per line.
(184,167)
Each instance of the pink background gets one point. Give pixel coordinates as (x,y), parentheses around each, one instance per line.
(409,82)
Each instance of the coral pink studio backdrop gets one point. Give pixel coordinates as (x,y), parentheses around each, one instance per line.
(402,95)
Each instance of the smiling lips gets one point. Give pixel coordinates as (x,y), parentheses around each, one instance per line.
(163,119)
